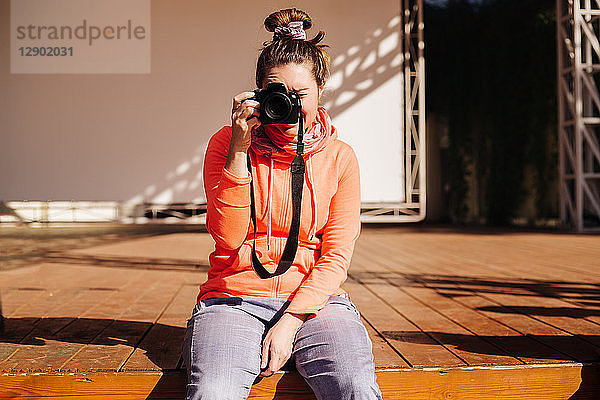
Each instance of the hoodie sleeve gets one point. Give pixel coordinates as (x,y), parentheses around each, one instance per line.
(339,235)
(227,195)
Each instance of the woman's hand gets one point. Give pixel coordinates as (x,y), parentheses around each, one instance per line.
(244,117)
(278,344)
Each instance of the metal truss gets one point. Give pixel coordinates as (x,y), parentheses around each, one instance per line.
(44,212)
(578,25)
(27,212)
(412,209)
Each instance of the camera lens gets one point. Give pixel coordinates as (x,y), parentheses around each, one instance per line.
(277,107)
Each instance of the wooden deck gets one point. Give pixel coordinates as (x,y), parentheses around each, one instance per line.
(453,314)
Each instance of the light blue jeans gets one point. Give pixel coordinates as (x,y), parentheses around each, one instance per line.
(223,345)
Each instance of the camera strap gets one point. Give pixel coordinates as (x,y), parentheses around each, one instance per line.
(291,245)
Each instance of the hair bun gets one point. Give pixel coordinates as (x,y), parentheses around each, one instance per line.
(282,18)
(290,45)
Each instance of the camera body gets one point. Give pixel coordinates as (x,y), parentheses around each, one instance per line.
(277,105)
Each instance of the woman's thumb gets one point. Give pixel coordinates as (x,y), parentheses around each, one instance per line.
(265,356)
(253,122)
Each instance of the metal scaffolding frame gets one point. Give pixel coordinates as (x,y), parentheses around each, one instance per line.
(412,209)
(48,211)
(578,53)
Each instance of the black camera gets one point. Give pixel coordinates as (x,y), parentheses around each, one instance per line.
(277,105)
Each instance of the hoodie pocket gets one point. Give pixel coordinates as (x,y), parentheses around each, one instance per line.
(305,259)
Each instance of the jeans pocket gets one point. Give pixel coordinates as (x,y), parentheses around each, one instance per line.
(355,308)
(346,302)
(198,308)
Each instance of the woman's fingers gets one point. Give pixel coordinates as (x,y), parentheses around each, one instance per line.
(252,122)
(265,352)
(246,111)
(239,98)
(244,117)
(245,105)
(272,358)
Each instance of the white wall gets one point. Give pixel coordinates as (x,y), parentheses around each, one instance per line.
(141,137)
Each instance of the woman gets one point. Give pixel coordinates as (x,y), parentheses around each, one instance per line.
(245,324)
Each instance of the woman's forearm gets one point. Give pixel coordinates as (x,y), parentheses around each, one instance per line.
(227,193)
(236,161)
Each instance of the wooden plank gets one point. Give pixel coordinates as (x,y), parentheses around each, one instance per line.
(500,254)
(541,309)
(510,340)
(464,344)
(16,328)
(28,318)
(575,321)
(45,347)
(45,276)
(81,330)
(520,263)
(571,288)
(111,348)
(63,330)
(384,355)
(415,346)
(534,382)
(101,314)
(12,277)
(421,256)
(13,298)
(175,247)
(571,347)
(460,341)
(161,348)
(559,252)
(133,283)
(549,335)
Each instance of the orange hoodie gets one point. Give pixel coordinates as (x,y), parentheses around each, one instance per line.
(329,224)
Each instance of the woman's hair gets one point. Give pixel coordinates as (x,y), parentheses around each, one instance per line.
(285,51)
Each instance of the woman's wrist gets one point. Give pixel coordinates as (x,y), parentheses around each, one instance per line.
(297,319)
(236,160)
(237,148)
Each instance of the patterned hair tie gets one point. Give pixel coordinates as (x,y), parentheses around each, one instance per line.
(293,30)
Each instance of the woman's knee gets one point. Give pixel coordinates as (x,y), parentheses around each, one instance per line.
(221,353)
(345,384)
(217,388)
(338,336)
(334,354)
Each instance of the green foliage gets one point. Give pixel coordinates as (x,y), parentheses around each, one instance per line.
(491,70)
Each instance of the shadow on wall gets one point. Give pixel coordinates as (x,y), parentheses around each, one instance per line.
(142,137)
(357,70)
(364,67)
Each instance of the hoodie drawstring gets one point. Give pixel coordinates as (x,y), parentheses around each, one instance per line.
(270,204)
(313,201)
